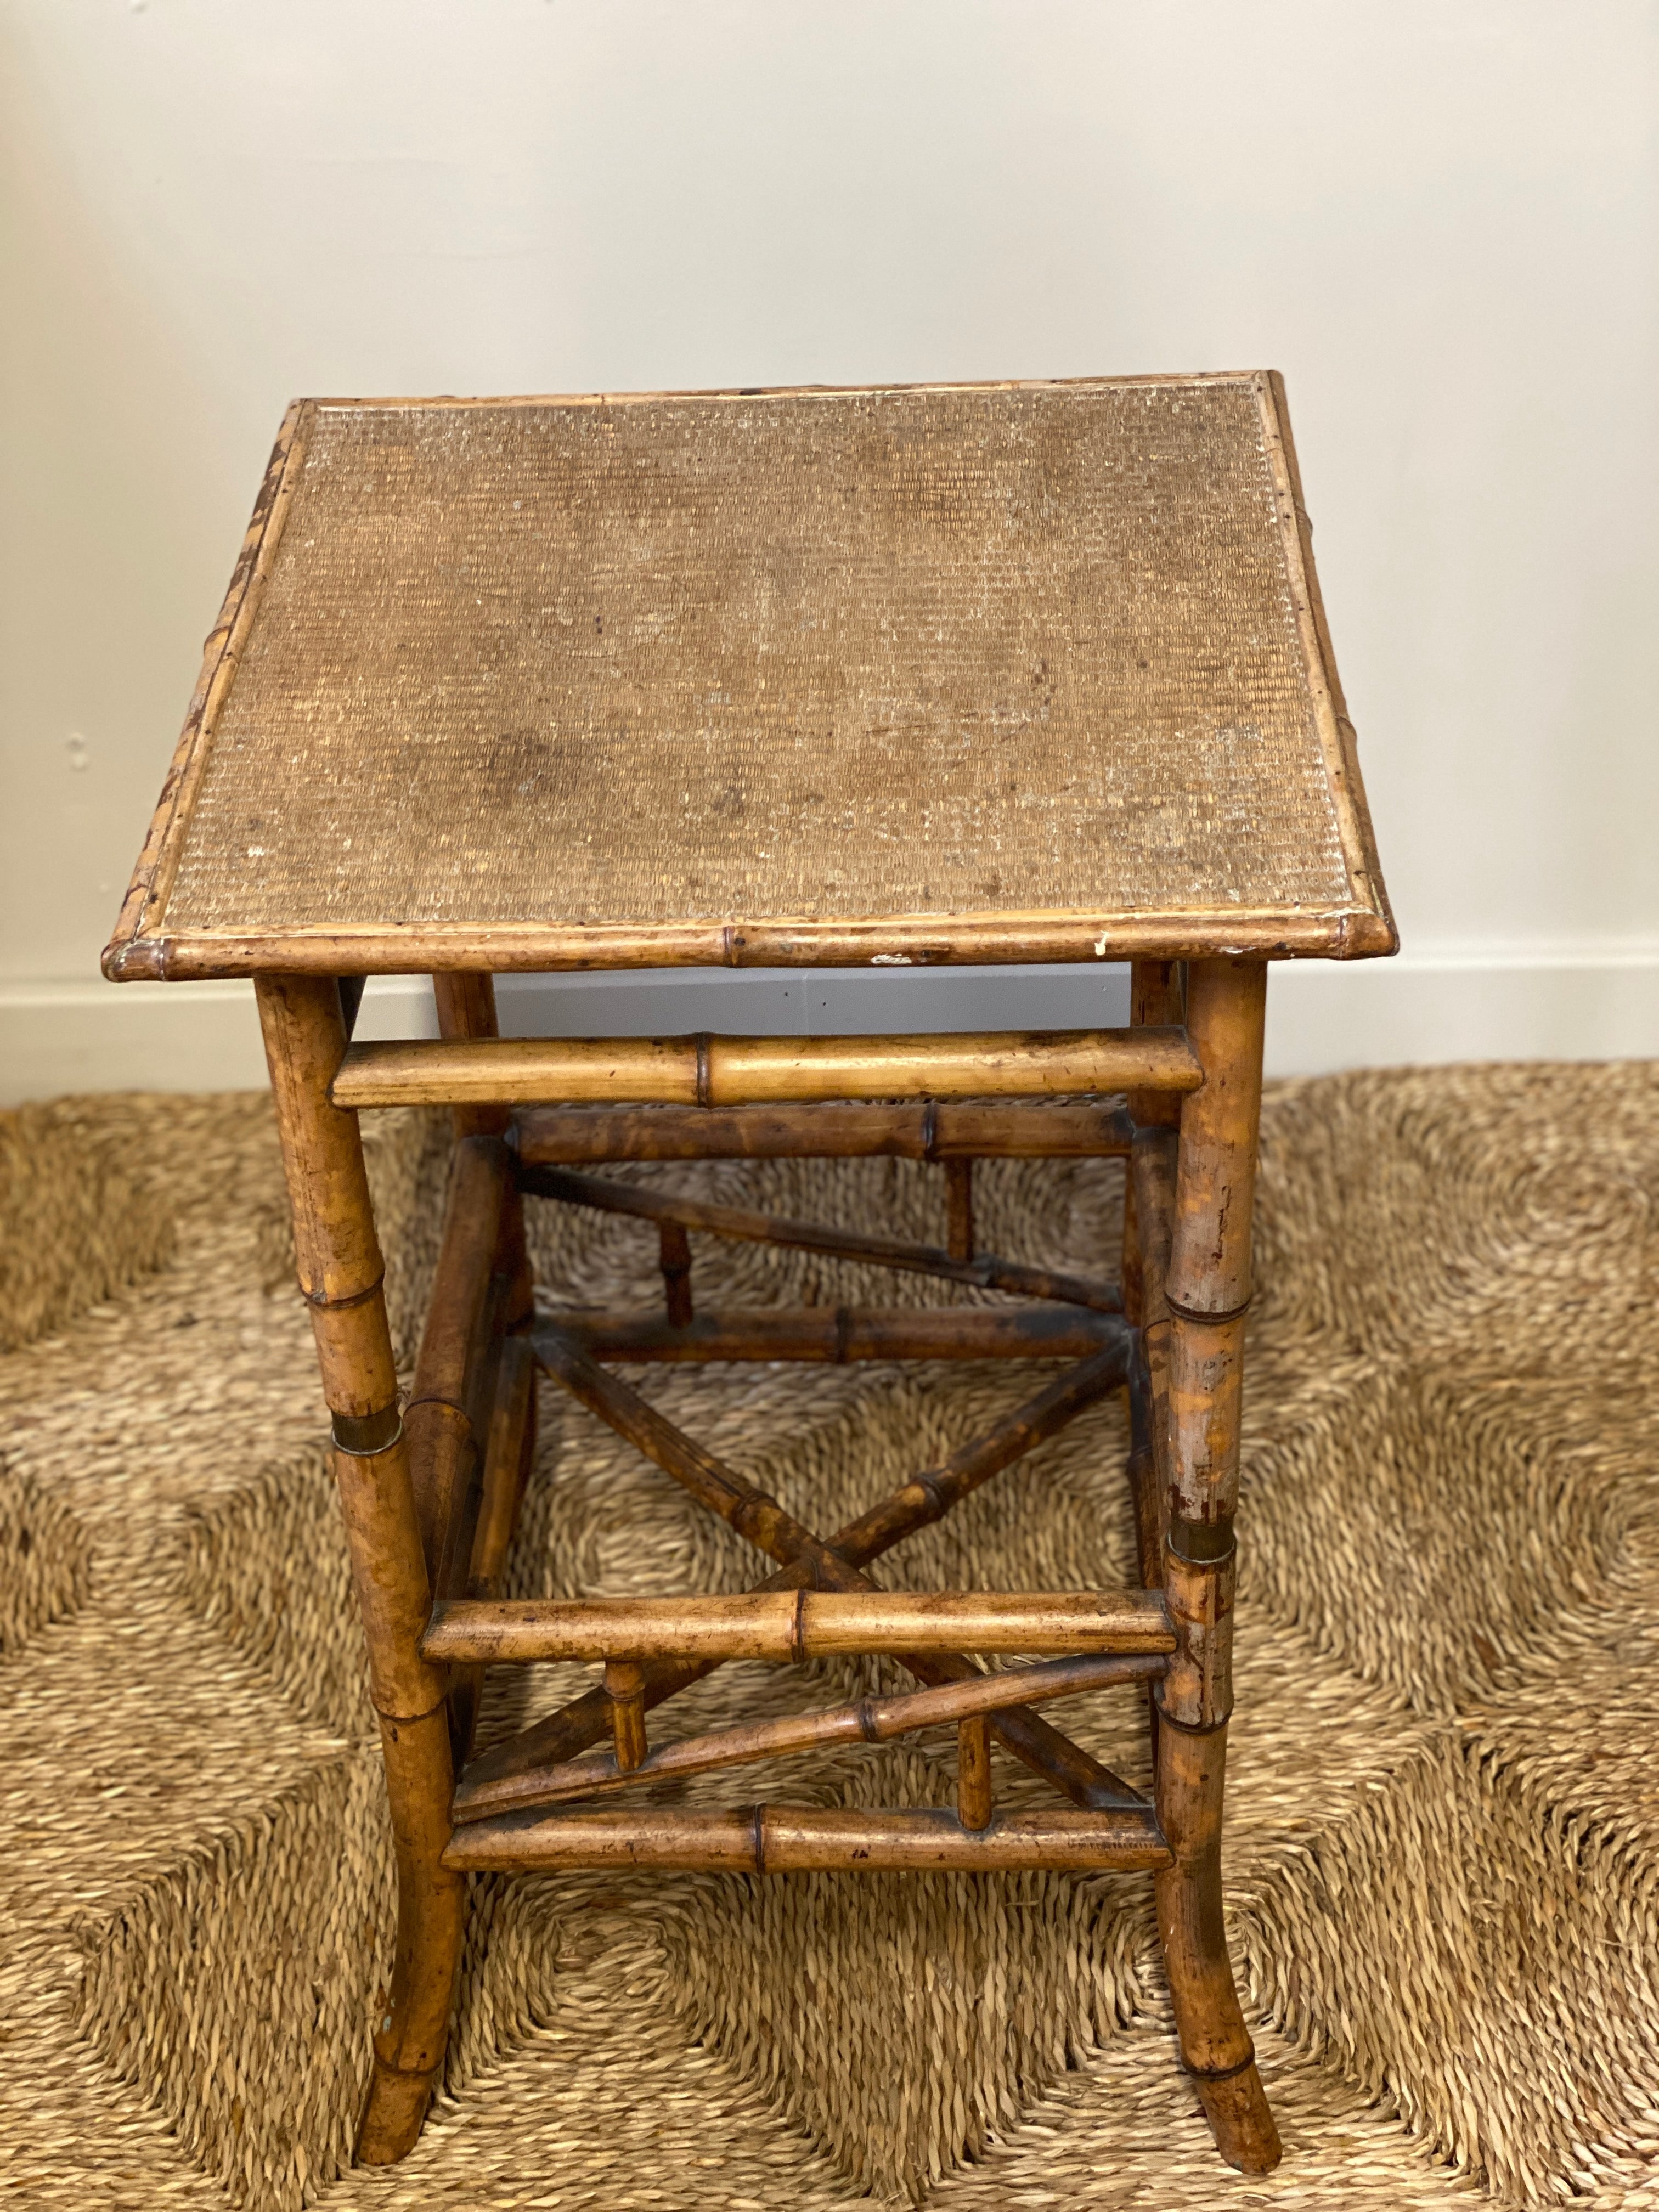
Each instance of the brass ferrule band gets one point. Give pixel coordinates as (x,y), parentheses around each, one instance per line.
(366,1436)
(1201,1543)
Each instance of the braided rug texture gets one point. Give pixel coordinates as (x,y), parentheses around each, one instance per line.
(1442,1842)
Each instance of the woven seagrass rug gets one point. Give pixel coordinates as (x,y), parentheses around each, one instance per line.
(1444,1811)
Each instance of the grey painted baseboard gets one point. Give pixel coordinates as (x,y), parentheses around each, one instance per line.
(1596,1001)
(206,1036)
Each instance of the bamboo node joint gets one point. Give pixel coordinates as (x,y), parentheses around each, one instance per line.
(1222,2073)
(1167,1719)
(326,1304)
(1179,1312)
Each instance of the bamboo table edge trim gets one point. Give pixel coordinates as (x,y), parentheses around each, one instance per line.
(1061,938)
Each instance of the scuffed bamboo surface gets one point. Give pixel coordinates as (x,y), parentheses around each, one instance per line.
(1449,1908)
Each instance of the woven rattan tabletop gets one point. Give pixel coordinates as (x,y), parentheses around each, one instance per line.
(960,672)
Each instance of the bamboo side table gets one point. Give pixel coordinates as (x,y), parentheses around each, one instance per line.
(905,676)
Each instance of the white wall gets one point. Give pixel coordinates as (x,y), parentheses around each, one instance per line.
(1437,216)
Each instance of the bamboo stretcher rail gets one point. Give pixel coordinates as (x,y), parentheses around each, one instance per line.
(941,1129)
(836,1334)
(984,1271)
(511,1432)
(788,1840)
(506,1773)
(869,1720)
(751,1512)
(791,1625)
(928,1497)
(730,1071)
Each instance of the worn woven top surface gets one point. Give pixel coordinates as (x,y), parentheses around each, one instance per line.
(726,659)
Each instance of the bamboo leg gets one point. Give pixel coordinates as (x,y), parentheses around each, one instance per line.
(448,1413)
(1130,1270)
(974,1771)
(340,1271)
(624,1685)
(959,1206)
(507,1465)
(455,1406)
(1207,1288)
(466,1008)
(676,1252)
(986,1272)
(1156,996)
(509,1441)
(1153,1179)
(1155,1001)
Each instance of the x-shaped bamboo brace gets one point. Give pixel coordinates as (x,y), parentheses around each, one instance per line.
(509,1775)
